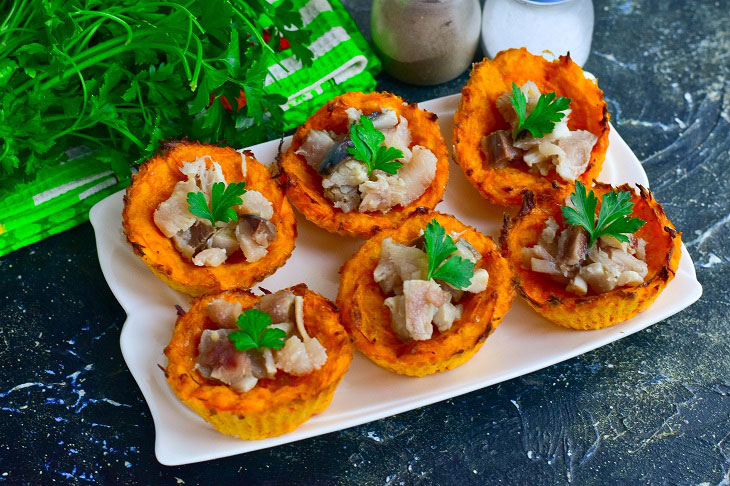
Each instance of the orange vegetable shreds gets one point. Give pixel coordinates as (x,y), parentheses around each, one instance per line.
(274,406)
(156,182)
(366,318)
(305,184)
(550,297)
(478,116)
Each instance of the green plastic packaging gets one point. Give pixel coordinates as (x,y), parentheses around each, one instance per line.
(60,197)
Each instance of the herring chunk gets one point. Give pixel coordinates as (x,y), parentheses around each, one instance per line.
(279,306)
(219,360)
(224,238)
(211,257)
(188,242)
(397,264)
(382,194)
(399,137)
(479,281)
(253,202)
(382,120)
(446,315)
(315,146)
(202,175)
(498,148)
(173,215)
(423,298)
(223,313)
(254,234)
(418,173)
(397,307)
(300,358)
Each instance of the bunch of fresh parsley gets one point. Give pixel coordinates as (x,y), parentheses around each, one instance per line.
(255,332)
(542,119)
(118,77)
(442,265)
(368,149)
(614,218)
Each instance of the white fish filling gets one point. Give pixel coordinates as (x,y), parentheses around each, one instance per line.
(194,238)
(218,359)
(351,188)
(416,305)
(566,151)
(607,265)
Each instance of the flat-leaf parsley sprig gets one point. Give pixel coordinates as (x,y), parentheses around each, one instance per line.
(442,266)
(222,200)
(255,332)
(368,149)
(614,218)
(542,119)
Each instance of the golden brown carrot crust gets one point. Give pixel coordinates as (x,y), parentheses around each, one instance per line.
(592,311)
(274,406)
(304,184)
(154,184)
(478,116)
(367,320)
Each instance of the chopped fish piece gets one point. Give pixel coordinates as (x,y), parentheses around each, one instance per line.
(335,155)
(210,257)
(218,359)
(346,198)
(315,146)
(299,317)
(190,241)
(353,115)
(399,137)
(225,238)
(224,313)
(479,281)
(498,148)
(172,215)
(423,298)
(397,264)
(384,119)
(300,358)
(279,305)
(382,194)
(253,202)
(466,251)
(418,174)
(446,315)
(202,175)
(397,307)
(254,234)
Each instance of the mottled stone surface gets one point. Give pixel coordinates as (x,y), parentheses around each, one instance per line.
(651,408)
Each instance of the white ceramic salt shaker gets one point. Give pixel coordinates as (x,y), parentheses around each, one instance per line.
(425,41)
(558,26)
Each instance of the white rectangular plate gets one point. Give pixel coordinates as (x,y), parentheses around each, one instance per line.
(523,343)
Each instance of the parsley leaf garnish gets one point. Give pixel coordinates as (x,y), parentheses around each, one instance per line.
(442,266)
(367,148)
(542,119)
(255,333)
(614,218)
(222,200)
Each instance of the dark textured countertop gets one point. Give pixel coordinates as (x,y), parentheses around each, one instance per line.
(652,408)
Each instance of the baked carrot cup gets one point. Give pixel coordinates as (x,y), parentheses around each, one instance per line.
(591,280)
(206,219)
(365,162)
(525,123)
(258,367)
(423,297)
